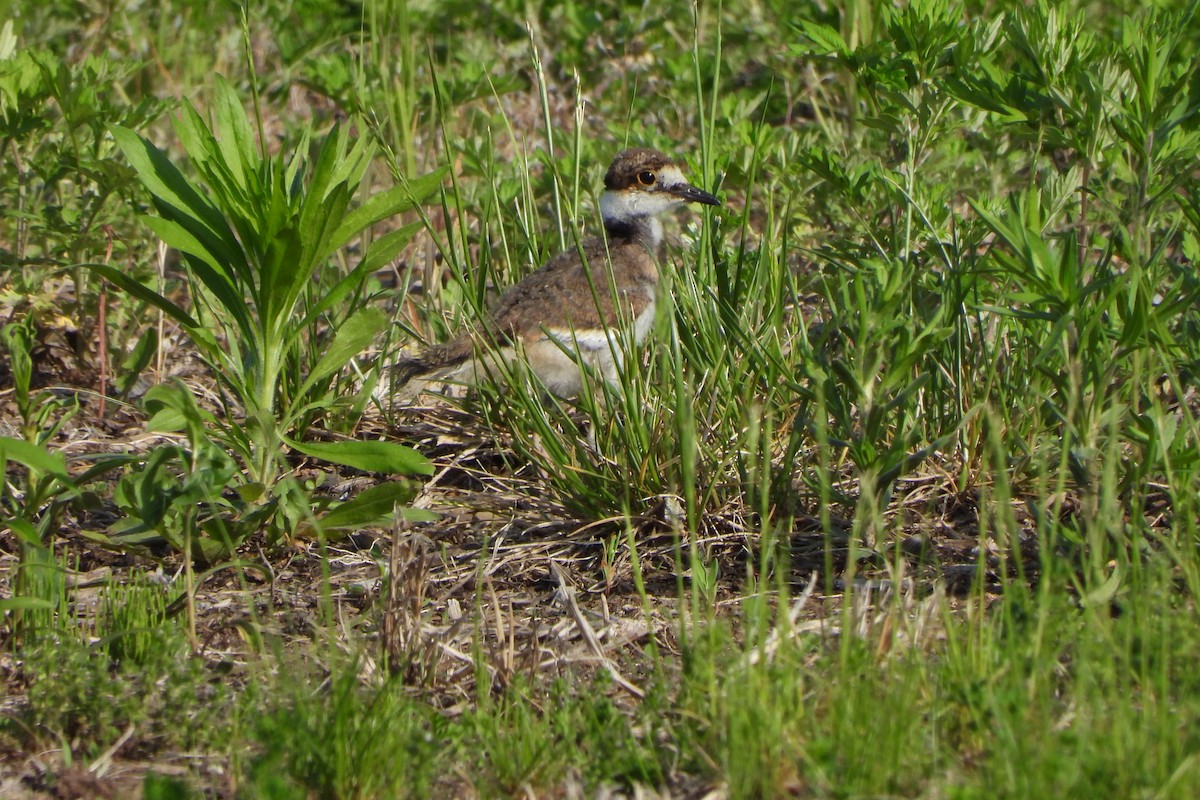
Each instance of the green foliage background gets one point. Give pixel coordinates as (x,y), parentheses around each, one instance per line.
(951,297)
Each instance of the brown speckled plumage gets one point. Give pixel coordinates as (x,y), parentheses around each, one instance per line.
(560,300)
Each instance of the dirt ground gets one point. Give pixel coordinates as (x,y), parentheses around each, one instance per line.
(551,593)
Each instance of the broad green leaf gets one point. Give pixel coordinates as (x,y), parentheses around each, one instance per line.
(396,239)
(24,530)
(826,40)
(386,204)
(165,181)
(103,463)
(331,166)
(132,532)
(136,361)
(295,168)
(172,407)
(25,604)
(34,457)
(237,197)
(214,267)
(8,41)
(133,287)
(235,137)
(354,334)
(385,457)
(190,222)
(376,506)
(284,276)
(319,220)
(388,246)
(353,165)
(167,420)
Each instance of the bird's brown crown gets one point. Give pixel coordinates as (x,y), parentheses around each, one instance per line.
(629,167)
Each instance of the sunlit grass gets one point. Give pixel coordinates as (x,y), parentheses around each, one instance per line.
(913,447)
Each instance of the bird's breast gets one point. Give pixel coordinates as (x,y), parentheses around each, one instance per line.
(643,323)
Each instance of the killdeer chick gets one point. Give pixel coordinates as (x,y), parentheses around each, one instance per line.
(571,309)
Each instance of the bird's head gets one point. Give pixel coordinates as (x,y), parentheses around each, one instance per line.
(641,185)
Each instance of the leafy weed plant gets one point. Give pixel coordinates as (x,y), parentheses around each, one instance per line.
(950,301)
(253,248)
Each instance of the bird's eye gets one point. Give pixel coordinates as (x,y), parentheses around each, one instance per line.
(646,178)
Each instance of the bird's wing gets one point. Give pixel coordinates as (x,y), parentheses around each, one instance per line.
(560,291)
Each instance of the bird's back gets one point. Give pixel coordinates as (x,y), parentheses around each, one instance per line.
(599,285)
(578,296)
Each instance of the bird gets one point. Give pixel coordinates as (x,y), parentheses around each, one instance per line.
(571,309)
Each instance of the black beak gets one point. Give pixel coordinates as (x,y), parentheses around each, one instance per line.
(690,194)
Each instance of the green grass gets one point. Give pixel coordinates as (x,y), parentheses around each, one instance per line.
(900,501)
